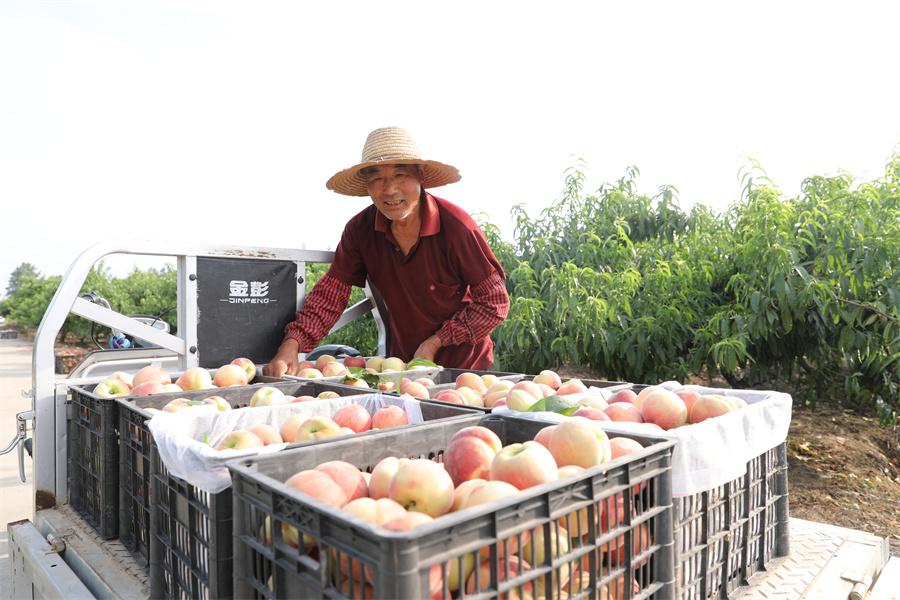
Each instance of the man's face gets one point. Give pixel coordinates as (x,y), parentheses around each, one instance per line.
(395,189)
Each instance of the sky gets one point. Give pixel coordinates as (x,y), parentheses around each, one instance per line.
(219,122)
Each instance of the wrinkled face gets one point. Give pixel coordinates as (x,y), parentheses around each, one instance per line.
(395,189)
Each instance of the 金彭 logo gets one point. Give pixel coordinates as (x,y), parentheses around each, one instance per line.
(248,292)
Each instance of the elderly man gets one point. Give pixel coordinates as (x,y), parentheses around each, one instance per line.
(443,286)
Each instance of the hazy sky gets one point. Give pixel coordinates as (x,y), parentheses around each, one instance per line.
(221,122)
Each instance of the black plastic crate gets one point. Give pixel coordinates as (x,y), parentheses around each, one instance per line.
(191,545)
(135,444)
(399,565)
(726,534)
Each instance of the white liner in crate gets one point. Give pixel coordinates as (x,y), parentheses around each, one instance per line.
(179,436)
(715,451)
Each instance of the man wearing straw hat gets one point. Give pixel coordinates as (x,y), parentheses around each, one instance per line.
(443,286)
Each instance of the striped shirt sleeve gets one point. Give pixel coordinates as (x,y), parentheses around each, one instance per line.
(323,307)
(490,305)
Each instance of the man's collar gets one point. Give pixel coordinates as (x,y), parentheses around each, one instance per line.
(431,217)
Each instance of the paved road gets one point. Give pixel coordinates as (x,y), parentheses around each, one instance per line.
(15,376)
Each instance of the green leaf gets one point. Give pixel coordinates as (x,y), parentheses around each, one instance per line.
(420,362)
(558,404)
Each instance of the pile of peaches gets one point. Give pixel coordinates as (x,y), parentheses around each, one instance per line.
(153,379)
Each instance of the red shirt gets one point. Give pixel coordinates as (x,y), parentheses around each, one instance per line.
(450,284)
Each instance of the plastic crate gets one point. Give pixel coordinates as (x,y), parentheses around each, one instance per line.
(726,534)
(399,565)
(93,454)
(135,444)
(191,545)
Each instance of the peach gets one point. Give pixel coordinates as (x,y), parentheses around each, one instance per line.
(247,365)
(333,369)
(491,491)
(462,491)
(508,568)
(624,411)
(318,428)
(392,363)
(524,465)
(709,407)
(482,433)
(382,474)
(168,388)
(300,398)
(546,390)
(577,441)
(472,381)
(218,401)
(324,360)
(266,433)
(489,380)
(353,416)
(124,377)
(642,395)
(736,402)
(177,404)
(465,564)
(374,363)
(228,375)
(355,361)
(319,485)
(535,554)
(665,409)
(408,521)
(575,522)
(451,396)
(112,388)
(572,386)
(290,429)
(355,382)
(267,396)
(310,374)
(414,389)
(422,485)
(389,416)
(468,457)
(627,395)
(472,397)
(548,377)
(375,511)
(543,436)
(195,378)
(386,386)
(594,414)
(347,476)
(240,439)
(689,397)
(306,364)
(519,400)
(148,388)
(595,402)
(150,374)
(425,381)
(328,395)
(620,446)
(530,387)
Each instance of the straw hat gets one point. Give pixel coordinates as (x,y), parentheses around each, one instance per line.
(390,146)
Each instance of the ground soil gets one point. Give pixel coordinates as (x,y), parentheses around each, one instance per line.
(843,468)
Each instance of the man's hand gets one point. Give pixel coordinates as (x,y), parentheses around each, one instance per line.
(285,360)
(428,348)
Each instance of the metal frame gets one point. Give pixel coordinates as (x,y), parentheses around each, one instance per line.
(50,410)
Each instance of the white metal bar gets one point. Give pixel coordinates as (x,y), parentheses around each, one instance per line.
(187,310)
(111,318)
(353,313)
